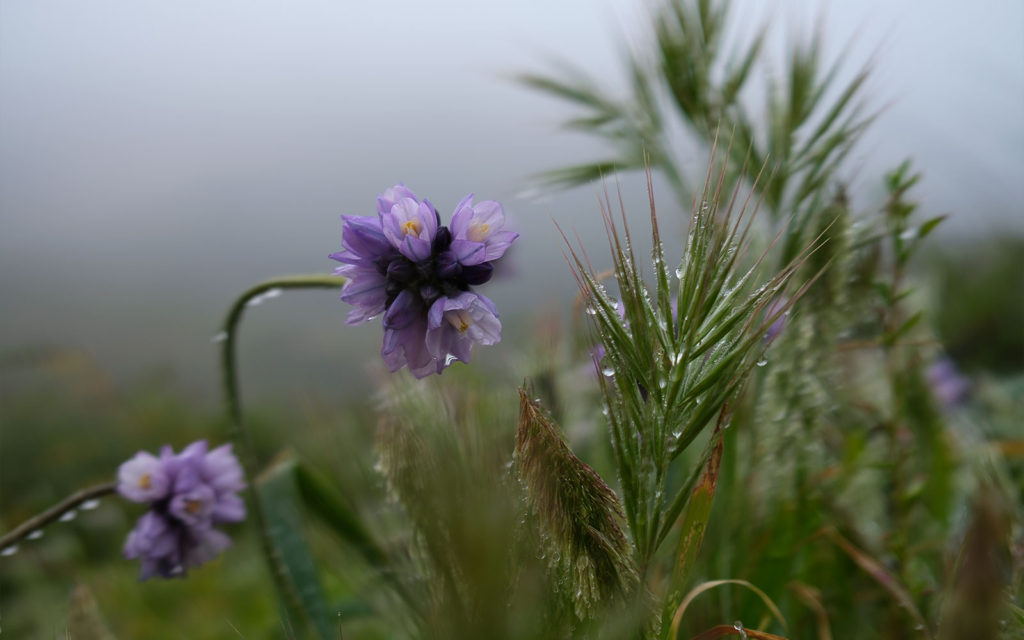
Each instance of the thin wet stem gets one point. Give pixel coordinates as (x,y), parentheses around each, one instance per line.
(233,398)
(55,512)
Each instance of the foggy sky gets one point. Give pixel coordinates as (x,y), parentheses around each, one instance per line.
(156,158)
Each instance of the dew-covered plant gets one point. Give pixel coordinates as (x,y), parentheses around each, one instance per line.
(852,474)
(750,434)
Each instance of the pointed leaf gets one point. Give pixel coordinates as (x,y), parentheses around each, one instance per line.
(292,559)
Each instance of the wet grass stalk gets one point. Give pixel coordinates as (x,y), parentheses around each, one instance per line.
(233,404)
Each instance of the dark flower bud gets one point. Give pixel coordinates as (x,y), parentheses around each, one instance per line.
(477,273)
(448,266)
(403,311)
(442,240)
(401,271)
(430,294)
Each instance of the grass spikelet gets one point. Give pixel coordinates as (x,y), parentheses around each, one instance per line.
(579,512)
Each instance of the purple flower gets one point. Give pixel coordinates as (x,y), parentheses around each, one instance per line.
(948,385)
(365,250)
(779,325)
(168,549)
(418,273)
(387,200)
(143,479)
(411,227)
(455,324)
(477,232)
(200,490)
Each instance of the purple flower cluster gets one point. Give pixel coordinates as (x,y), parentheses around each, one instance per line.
(406,265)
(188,494)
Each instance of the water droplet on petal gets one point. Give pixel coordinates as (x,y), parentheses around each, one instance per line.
(9,551)
(89,505)
(35,535)
(220,337)
(450,358)
(68,516)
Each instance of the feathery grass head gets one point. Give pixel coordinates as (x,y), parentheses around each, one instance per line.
(576,509)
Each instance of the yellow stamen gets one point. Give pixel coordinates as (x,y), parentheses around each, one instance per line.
(192,506)
(477,232)
(411,227)
(145,481)
(460,319)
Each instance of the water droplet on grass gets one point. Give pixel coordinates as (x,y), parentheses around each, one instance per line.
(68,516)
(9,551)
(35,535)
(739,627)
(220,337)
(608,372)
(270,294)
(762,362)
(89,505)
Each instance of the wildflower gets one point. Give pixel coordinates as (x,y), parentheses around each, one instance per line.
(477,231)
(188,494)
(776,328)
(949,387)
(417,273)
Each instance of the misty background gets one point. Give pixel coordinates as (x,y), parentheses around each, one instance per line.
(158,158)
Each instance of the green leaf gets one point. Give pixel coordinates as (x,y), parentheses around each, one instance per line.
(697,513)
(903,329)
(331,510)
(292,559)
(929,225)
(321,501)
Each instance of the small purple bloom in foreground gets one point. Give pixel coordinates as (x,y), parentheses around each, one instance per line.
(188,494)
(415,271)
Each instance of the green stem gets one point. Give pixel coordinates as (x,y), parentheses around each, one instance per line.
(228,360)
(233,400)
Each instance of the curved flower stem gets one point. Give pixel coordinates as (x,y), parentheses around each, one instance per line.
(55,512)
(228,360)
(233,400)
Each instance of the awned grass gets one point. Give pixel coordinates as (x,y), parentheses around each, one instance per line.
(746,430)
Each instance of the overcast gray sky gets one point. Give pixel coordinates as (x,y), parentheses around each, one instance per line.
(158,157)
